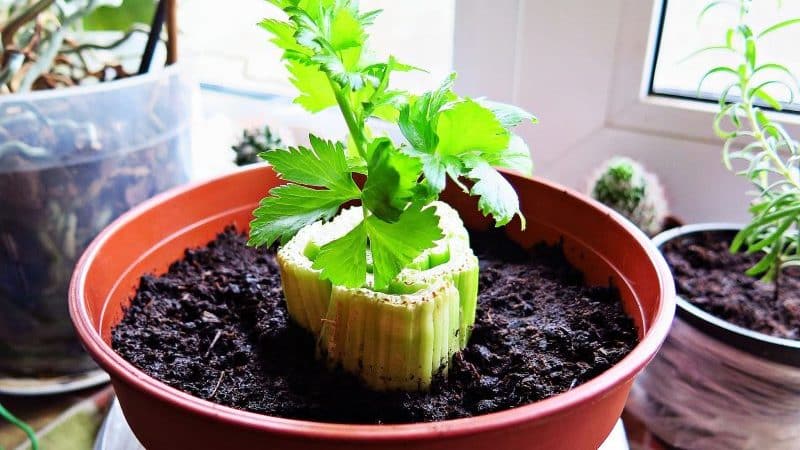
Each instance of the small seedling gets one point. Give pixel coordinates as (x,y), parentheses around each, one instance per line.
(389,287)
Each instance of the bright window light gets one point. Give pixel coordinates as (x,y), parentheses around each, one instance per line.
(680,34)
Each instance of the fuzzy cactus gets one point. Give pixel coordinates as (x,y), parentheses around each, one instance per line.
(253,142)
(624,185)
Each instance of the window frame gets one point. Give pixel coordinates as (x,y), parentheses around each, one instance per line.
(641,109)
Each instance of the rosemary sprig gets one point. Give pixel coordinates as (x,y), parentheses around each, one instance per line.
(769,153)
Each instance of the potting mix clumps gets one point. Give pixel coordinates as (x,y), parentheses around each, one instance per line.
(358,296)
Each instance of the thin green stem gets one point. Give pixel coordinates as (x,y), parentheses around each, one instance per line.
(761,136)
(353,124)
(6,414)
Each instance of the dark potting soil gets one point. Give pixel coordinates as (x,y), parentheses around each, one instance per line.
(216,326)
(709,276)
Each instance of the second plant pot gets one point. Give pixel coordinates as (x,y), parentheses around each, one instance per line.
(718,385)
(71,161)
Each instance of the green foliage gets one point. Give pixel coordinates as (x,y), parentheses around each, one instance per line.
(326,50)
(769,155)
(121,17)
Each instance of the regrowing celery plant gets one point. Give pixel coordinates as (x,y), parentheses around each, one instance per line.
(388,287)
(752,136)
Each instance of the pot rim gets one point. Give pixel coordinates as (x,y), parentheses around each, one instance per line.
(176,69)
(774,348)
(599,386)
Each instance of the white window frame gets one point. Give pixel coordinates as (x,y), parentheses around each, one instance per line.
(638,109)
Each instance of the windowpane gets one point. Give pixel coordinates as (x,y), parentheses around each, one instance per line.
(681,35)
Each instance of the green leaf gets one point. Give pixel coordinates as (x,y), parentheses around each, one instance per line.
(283,36)
(709,7)
(468,126)
(419,117)
(344,260)
(315,91)
(739,240)
(508,115)
(727,48)
(395,245)
(122,18)
(497,196)
(392,181)
(778,26)
(346,30)
(324,164)
(715,70)
(789,89)
(770,100)
(778,68)
(765,263)
(750,52)
(516,156)
(289,208)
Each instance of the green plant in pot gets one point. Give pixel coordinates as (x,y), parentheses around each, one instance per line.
(738,323)
(382,287)
(81,141)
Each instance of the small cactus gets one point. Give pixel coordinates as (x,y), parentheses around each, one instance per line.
(253,142)
(625,186)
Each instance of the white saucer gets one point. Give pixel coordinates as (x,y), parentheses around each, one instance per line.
(52,385)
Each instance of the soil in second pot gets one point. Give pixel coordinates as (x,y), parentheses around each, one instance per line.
(709,276)
(216,326)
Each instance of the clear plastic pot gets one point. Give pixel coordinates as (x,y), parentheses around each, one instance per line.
(71,161)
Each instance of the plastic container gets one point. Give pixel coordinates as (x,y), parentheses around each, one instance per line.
(71,161)
(716,385)
(153,235)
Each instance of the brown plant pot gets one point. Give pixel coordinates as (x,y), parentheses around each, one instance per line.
(598,241)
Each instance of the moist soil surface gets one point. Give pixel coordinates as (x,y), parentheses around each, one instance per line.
(709,276)
(216,326)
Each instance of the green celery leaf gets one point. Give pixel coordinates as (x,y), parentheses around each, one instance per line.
(346,30)
(509,115)
(395,245)
(289,208)
(316,93)
(517,156)
(432,167)
(344,261)
(324,164)
(283,35)
(468,126)
(418,118)
(497,196)
(392,181)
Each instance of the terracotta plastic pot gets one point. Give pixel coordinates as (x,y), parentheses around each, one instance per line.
(600,242)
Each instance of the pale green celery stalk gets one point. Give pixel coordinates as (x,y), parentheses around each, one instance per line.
(307,295)
(390,340)
(398,339)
